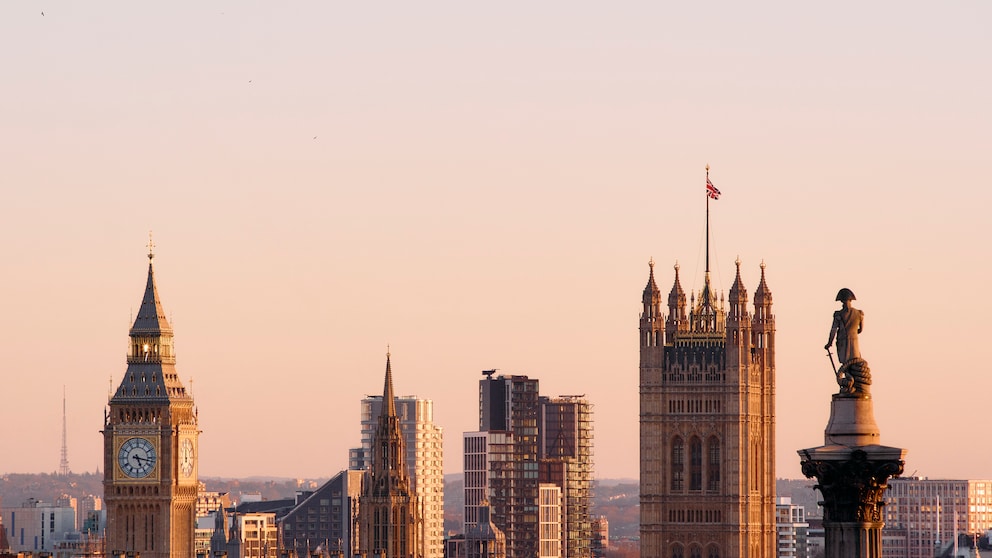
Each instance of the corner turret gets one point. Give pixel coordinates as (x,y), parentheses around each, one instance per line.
(764,324)
(738,322)
(652,295)
(676,308)
(737,297)
(652,328)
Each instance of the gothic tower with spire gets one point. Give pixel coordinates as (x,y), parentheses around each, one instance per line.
(707,421)
(150,444)
(388,516)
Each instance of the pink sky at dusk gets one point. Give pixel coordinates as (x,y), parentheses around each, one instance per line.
(481,186)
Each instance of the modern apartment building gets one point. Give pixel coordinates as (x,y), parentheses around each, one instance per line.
(526,440)
(565,453)
(791,525)
(488,460)
(509,408)
(923,515)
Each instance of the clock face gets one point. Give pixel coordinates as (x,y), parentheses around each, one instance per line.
(186,457)
(136,458)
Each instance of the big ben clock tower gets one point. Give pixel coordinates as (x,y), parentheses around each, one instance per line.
(150,444)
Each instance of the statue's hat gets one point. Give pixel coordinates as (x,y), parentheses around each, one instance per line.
(846,294)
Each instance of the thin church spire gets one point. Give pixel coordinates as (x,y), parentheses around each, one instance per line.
(388,401)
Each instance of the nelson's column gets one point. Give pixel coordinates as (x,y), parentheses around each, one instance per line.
(150,445)
(851,468)
(707,421)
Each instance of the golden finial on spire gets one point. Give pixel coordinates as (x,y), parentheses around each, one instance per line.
(151,247)
(738,262)
(651,263)
(387,351)
(676,266)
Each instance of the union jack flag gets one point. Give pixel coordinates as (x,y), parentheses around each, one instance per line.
(711,190)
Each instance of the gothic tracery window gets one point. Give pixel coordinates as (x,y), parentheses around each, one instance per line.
(713,464)
(678,464)
(695,464)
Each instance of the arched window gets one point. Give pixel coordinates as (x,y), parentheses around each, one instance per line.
(695,464)
(713,464)
(713,552)
(677,551)
(678,464)
(695,552)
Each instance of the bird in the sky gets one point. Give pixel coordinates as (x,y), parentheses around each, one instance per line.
(42,14)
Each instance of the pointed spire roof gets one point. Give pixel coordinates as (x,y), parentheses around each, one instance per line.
(677,294)
(652,294)
(763,295)
(651,287)
(737,290)
(389,403)
(151,374)
(707,298)
(151,316)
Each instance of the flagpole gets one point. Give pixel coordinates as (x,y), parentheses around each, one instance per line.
(707,220)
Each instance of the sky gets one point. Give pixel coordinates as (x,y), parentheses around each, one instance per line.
(479,186)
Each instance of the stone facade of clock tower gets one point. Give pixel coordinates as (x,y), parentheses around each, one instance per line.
(150,445)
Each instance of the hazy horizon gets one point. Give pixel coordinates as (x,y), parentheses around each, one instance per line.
(479,187)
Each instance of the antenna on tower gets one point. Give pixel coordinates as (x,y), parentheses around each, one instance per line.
(64,464)
(489,373)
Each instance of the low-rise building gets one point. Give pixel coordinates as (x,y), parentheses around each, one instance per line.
(36,526)
(325,518)
(791,525)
